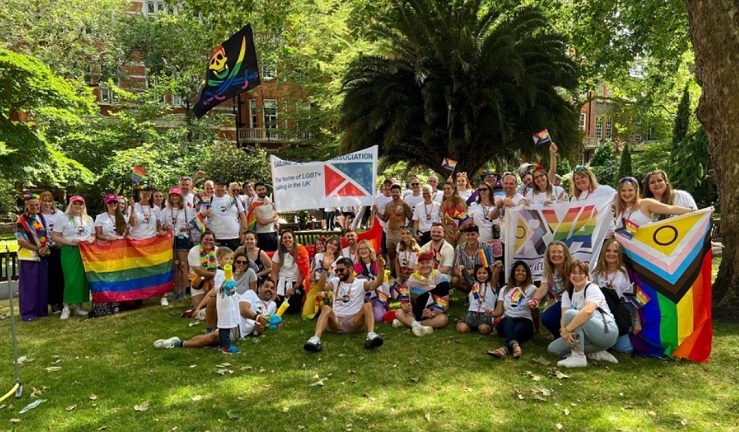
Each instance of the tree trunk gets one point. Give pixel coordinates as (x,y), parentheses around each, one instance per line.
(714,32)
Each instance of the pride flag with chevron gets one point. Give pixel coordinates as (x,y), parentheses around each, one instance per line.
(670,262)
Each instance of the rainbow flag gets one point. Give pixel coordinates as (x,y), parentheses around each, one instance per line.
(382,297)
(542,137)
(198,222)
(251,218)
(449,164)
(441,304)
(124,270)
(404,293)
(475,291)
(517,296)
(670,263)
(486,257)
(137,174)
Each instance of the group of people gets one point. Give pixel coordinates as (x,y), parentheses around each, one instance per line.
(434,242)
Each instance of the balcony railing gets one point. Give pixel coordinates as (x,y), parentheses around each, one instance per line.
(261,135)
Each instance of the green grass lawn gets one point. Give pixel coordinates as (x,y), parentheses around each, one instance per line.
(442,382)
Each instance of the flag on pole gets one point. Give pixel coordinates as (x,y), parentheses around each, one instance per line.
(232,70)
(137,174)
(449,164)
(542,137)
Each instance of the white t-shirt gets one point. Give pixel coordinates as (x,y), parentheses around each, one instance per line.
(257,306)
(594,294)
(465,194)
(107,223)
(380,202)
(442,257)
(438,196)
(479,214)
(77,227)
(682,199)
(487,298)
(348,297)
(413,200)
(146,222)
(426,215)
(190,199)
(617,280)
(227,306)
(346,253)
(601,190)
(223,218)
(542,197)
(288,273)
(516,301)
(176,218)
(193,257)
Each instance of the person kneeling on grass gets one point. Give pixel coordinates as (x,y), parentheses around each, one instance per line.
(254,311)
(424,305)
(587,325)
(349,313)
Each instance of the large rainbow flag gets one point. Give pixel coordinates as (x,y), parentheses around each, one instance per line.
(670,262)
(125,269)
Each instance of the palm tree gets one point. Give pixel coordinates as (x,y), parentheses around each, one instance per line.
(463,81)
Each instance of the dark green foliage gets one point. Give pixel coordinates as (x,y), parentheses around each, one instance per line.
(605,164)
(692,168)
(682,121)
(463,81)
(624,168)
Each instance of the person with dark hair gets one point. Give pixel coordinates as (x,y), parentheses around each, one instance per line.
(226,217)
(658,186)
(397,214)
(382,199)
(111,224)
(468,255)
(291,272)
(442,253)
(262,214)
(349,312)
(56,274)
(482,299)
(587,325)
(517,324)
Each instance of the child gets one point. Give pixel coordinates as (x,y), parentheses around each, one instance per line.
(611,274)
(517,325)
(227,306)
(482,298)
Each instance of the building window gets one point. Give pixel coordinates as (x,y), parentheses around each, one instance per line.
(270,114)
(599,128)
(609,128)
(252,113)
(158,7)
(107,95)
(581,159)
(270,72)
(583,120)
(650,134)
(637,138)
(177,101)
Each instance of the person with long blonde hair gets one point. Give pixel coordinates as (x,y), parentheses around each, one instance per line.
(557,261)
(585,185)
(453,214)
(639,211)
(658,186)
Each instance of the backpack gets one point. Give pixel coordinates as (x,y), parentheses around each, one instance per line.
(618,309)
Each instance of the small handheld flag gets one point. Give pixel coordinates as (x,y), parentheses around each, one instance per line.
(449,164)
(198,222)
(542,137)
(137,174)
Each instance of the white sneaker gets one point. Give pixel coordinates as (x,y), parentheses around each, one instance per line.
(166,343)
(164,301)
(81,312)
(602,356)
(397,323)
(422,330)
(573,360)
(65,313)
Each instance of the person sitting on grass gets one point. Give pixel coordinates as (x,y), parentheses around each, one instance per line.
(227,308)
(587,325)
(423,307)
(253,311)
(482,299)
(349,313)
(517,325)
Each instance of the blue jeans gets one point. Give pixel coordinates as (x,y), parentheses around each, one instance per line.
(551,318)
(513,330)
(594,335)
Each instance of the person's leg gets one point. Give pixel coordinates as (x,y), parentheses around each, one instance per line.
(437,322)
(224,338)
(524,329)
(551,319)
(211,314)
(623,345)
(296,302)
(594,335)
(183,269)
(200,341)
(484,329)
(26,289)
(463,327)
(406,318)
(325,320)
(42,289)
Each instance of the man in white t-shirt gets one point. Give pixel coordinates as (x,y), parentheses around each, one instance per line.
(415,197)
(436,194)
(249,194)
(441,250)
(349,312)
(255,307)
(425,214)
(266,217)
(381,200)
(226,217)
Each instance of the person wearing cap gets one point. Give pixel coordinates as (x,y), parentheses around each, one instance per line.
(226,217)
(31,232)
(176,217)
(111,224)
(349,312)
(77,227)
(425,306)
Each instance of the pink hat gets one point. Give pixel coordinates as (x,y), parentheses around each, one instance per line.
(77,198)
(175,190)
(110,198)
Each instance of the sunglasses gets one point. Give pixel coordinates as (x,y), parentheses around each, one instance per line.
(340,269)
(631,180)
(244,262)
(579,169)
(415,184)
(483,190)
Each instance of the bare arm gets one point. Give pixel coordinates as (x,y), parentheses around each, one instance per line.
(373,285)
(552,162)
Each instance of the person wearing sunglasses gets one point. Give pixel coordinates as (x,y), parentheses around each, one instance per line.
(658,186)
(349,312)
(480,211)
(244,277)
(112,224)
(639,211)
(415,197)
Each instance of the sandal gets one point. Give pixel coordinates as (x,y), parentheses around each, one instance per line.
(517,351)
(500,353)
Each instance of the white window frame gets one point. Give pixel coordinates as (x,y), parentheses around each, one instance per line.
(583,121)
(253,119)
(609,128)
(107,95)
(274,120)
(599,128)
(177,101)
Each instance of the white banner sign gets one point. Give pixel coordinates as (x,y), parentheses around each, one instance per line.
(583,226)
(347,180)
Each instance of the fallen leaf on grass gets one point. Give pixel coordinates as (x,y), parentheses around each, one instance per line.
(196,398)
(233,414)
(102,428)
(566,412)
(317,383)
(558,374)
(541,360)
(684,422)
(559,426)
(53,368)
(285,409)
(262,370)
(15,420)
(539,397)
(193,366)
(194,323)
(223,365)
(57,361)
(36,392)
(24,359)
(427,417)
(224,371)
(71,407)
(468,390)
(652,413)
(141,407)
(246,368)
(93,397)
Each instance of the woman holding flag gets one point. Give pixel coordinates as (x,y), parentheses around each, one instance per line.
(176,217)
(31,231)
(453,214)
(517,324)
